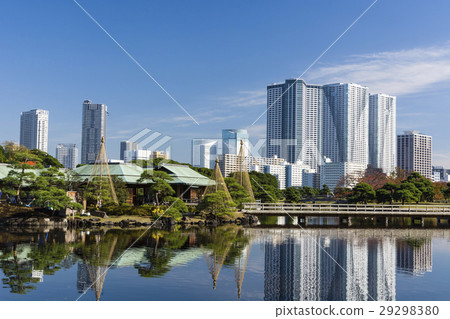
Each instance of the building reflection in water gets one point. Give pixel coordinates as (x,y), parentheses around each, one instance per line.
(83,279)
(414,256)
(351,266)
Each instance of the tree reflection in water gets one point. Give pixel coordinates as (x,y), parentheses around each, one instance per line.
(295,268)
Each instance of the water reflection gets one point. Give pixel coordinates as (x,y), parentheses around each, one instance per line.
(309,264)
(341,265)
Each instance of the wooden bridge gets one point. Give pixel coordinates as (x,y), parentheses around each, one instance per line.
(347,210)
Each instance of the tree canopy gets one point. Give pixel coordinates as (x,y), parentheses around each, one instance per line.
(216,204)
(237,192)
(362,193)
(159,187)
(265,187)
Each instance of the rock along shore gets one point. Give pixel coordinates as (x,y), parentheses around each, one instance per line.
(94,222)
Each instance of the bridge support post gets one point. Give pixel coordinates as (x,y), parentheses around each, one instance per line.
(387,222)
(418,221)
(344,221)
(349,219)
(301,220)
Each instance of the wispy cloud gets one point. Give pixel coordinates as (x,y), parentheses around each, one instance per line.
(441,158)
(257,131)
(393,72)
(246,99)
(205,117)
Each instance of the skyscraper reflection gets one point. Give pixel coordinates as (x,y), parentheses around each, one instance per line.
(308,265)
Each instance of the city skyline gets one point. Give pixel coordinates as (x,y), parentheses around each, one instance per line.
(229,97)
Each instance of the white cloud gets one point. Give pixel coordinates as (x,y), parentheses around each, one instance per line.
(257,131)
(442,158)
(392,72)
(246,99)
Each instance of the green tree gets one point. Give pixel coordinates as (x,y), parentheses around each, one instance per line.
(383,196)
(120,187)
(391,187)
(292,194)
(407,192)
(21,160)
(176,207)
(216,204)
(267,194)
(265,187)
(404,195)
(325,191)
(237,192)
(257,178)
(159,187)
(309,192)
(3,157)
(49,190)
(425,186)
(46,159)
(98,192)
(362,193)
(447,192)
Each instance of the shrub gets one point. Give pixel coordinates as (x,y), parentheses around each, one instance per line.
(174,213)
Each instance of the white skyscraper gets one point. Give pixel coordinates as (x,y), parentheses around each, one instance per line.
(294,119)
(67,155)
(34,129)
(382,132)
(346,123)
(204,152)
(414,153)
(231,141)
(93,129)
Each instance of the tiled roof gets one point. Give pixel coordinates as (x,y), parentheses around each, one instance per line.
(130,173)
(183,174)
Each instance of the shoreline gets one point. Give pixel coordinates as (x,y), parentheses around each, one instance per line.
(40,218)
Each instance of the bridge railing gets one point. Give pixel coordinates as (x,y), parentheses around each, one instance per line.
(323,208)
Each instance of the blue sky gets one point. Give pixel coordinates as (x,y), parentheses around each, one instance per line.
(215,58)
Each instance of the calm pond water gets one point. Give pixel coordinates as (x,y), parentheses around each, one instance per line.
(226,263)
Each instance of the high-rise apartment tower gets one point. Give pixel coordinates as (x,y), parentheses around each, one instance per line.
(93,129)
(34,129)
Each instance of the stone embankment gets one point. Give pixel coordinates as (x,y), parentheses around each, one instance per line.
(163,222)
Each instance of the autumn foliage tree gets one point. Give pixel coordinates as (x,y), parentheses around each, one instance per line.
(397,176)
(374,177)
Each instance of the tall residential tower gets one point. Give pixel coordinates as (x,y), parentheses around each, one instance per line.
(294,119)
(93,129)
(382,132)
(414,153)
(67,155)
(34,129)
(346,123)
